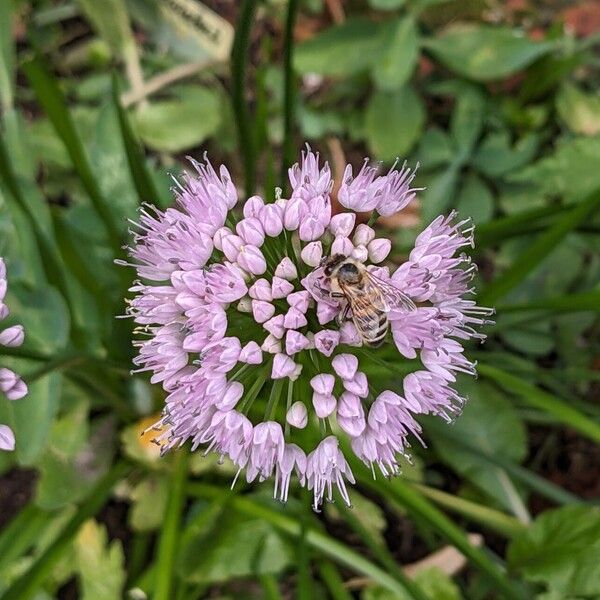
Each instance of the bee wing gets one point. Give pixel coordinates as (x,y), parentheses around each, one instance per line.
(392,297)
(368,307)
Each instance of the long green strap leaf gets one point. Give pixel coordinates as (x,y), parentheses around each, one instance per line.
(335,550)
(381,553)
(495,520)
(53,102)
(239,55)
(400,492)
(539,249)
(168,543)
(567,303)
(142,179)
(25,586)
(537,398)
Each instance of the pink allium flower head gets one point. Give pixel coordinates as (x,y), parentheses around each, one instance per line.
(237,320)
(11,385)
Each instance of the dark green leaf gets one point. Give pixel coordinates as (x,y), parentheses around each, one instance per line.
(570,171)
(31,417)
(490,423)
(143,180)
(466,121)
(50,97)
(341,50)
(562,551)
(165,124)
(475,200)
(494,157)
(400,50)
(440,191)
(578,109)
(394,121)
(235,546)
(485,53)
(435,149)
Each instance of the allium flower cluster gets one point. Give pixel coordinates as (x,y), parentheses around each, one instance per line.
(11,385)
(234,324)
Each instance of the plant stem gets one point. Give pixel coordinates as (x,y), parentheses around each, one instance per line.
(289,88)
(167,545)
(239,53)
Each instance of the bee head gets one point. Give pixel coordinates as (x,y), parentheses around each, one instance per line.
(329,263)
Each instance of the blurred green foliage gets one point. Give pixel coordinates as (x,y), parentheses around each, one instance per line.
(100,103)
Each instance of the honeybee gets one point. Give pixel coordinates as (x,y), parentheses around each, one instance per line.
(369,299)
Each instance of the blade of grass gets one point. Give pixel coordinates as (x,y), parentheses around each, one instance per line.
(289,89)
(381,553)
(503,228)
(270,587)
(499,522)
(539,249)
(53,102)
(167,545)
(305,583)
(21,533)
(400,492)
(584,301)
(26,585)
(141,176)
(331,578)
(7,56)
(318,540)
(537,398)
(239,54)
(52,262)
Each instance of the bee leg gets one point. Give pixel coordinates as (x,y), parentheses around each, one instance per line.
(344,315)
(336,295)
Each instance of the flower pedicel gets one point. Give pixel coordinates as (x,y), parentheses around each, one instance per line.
(234,324)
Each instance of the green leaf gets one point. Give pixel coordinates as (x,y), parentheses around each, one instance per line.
(149,500)
(495,157)
(43,313)
(342,50)
(166,125)
(539,250)
(561,550)
(109,160)
(100,565)
(111,20)
(74,460)
(320,541)
(485,53)
(236,546)
(7,56)
(466,120)
(39,569)
(534,396)
(488,422)
(386,4)
(394,121)
(579,110)
(475,200)
(568,172)
(435,149)
(440,191)
(433,582)
(400,50)
(367,512)
(143,179)
(52,101)
(31,417)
